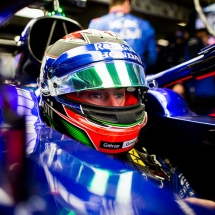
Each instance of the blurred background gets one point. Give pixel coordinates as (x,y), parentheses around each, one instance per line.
(169,18)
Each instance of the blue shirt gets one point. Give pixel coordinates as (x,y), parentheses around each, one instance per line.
(138,33)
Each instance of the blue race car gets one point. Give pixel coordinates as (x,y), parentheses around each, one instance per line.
(47,172)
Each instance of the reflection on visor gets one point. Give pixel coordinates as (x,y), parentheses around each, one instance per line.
(99,76)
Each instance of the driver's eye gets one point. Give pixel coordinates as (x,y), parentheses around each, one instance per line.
(96,96)
(119,95)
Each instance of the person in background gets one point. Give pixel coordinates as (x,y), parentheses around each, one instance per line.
(192,43)
(138,33)
(200,94)
(205,37)
(190,49)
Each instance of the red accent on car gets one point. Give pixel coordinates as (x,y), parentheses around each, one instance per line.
(178,81)
(205,76)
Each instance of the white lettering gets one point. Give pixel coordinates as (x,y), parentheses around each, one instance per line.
(187,184)
(106,145)
(107,46)
(112,46)
(137,58)
(127,34)
(105,54)
(182,181)
(123,54)
(123,23)
(98,46)
(125,47)
(130,55)
(129,143)
(116,54)
(181,193)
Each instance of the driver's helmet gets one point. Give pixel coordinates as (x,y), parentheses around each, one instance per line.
(87,60)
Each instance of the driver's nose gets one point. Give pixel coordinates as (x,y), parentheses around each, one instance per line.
(112,101)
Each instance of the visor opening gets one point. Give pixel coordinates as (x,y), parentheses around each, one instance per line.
(109,117)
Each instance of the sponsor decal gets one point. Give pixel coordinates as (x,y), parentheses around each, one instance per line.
(123,24)
(130,34)
(185,186)
(118,54)
(117,145)
(112,46)
(126,29)
(108,145)
(129,143)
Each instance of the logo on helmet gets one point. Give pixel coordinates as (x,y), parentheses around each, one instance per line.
(106,145)
(115,50)
(117,54)
(129,143)
(112,46)
(109,145)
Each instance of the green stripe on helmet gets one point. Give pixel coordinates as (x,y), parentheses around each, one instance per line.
(77,133)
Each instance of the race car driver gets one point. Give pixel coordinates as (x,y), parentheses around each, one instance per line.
(92,88)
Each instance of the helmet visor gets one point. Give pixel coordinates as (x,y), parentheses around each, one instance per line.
(100,75)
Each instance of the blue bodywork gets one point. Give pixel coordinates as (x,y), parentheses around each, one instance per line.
(66,177)
(39,164)
(201,65)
